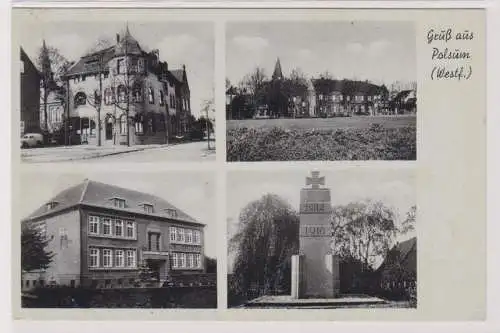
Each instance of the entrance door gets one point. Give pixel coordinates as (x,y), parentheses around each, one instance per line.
(109,129)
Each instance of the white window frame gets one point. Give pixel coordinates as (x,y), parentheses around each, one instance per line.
(131,258)
(105,222)
(94,221)
(173,234)
(180,235)
(148,208)
(107,254)
(120,203)
(189,260)
(93,253)
(188,236)
(183,260)
(175,258)
(116,224)
(127,224)
(197,237)
(119,258)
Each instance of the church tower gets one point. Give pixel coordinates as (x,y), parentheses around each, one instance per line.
(277,74)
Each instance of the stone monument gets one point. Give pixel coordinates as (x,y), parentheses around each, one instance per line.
(315,270)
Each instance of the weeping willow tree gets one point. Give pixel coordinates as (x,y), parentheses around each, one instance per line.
(266,239)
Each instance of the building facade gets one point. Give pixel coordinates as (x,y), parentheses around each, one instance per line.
(104,236)
(298,97)
(55,112)
(30,95)
(135,95)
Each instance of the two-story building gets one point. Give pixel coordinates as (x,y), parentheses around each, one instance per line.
(140,101)
(103,236)
(30,95)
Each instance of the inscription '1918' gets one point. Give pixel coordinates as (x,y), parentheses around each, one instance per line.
(315,231)
(316,207)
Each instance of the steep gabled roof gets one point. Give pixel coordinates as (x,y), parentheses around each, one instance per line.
(97,194)
(405,253)
(24,57)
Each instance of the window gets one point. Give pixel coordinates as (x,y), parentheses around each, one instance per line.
(139,126)
(119,258)
(151,96)
(162,98)
(22,66)
(175,260)
(94,225)
(173,234)
(197,260)
(119,228)
(154,242)
(189,236)
(107,260)
(183,260)
(130,229)
(171,212)
(119,203)
(80,99)
(171,101)
(123,124)
(137,93)
(180,235)
(120,68)
(94,257)
(106,226)
(151,122)
(148,208)
(122,93)
(140,65)
(189,260)
(108,96)
(196,237)
(130,261)
(51,205)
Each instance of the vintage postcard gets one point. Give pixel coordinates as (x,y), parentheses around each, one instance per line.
(348,184)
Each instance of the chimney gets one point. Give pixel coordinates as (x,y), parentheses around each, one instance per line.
(184,68)
(117,38)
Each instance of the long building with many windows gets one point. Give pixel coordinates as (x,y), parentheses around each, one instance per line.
(105,236)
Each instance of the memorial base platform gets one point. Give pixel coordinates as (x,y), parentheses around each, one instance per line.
(344,301)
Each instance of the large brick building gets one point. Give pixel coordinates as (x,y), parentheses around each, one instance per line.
(30,95)
(142,99)
(104,236)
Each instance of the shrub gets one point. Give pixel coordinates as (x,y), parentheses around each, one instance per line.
(278,144)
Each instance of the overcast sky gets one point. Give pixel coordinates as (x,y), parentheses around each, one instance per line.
(382,52)
(395,187)
(191,192)
(189,43)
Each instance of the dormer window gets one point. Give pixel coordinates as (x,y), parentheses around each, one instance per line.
(171,212)
(51,205)
(119,203)
(148,208)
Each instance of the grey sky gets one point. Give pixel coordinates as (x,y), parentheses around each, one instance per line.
(192,192)
(189,43)
(382,52)
(394,186)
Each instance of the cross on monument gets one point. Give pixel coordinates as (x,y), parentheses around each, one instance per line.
(315,180)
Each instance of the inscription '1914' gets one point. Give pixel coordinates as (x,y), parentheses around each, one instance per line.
(315,231)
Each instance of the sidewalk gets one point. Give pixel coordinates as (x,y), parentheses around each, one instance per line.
(78,152)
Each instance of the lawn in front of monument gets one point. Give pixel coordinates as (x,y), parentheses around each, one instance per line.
(353,138)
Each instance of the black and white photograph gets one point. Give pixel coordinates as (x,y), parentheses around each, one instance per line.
(118,240)
(115,91)
(322,239)
(325,90)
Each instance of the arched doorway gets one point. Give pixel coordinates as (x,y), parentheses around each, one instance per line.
(108,132)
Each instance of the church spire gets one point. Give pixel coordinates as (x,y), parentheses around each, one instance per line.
(277,74)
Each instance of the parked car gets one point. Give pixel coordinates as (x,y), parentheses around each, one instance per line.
(31,140)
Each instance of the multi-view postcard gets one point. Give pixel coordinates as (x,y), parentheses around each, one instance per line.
(260,164)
